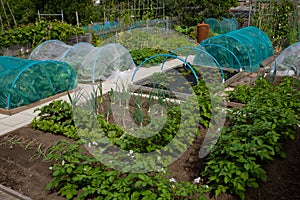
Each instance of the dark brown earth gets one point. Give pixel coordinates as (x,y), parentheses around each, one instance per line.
(22,167)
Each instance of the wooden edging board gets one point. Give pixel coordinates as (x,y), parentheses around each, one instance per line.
(34,104)
(148,90)
(12,193)
(235,105)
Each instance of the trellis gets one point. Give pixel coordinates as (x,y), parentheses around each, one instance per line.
(135,7)
(264,9)
(59,14)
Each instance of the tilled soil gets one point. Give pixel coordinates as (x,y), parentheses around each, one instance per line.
(22,167)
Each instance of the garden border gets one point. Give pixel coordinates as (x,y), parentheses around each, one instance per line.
(12,193)
(34,104)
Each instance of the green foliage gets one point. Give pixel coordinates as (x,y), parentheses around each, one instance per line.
(140,55)
(204,102)
(189,31)
(57,118)
(37,33)
(69,7)
(280,20)
(78,175)
(262,86)
(153,38)
(255,134)
(23,11)
(193,12)
(245,93)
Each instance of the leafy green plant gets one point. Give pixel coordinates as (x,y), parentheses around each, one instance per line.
(140,55)
(282,22)
(56,117)
(78,175)
(255,135)
(37,33)
(188,31)
(244,93)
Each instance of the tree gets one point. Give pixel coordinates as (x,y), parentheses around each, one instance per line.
(26,11)
(192,12)
(23,11)
(69,8)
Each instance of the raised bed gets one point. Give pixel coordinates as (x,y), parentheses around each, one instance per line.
(13,111)
(172,84)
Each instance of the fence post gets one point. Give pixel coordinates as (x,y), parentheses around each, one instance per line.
(167,23)
(90,27)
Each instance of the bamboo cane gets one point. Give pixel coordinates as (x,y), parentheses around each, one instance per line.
(1,23)
(5,14)
(12,14)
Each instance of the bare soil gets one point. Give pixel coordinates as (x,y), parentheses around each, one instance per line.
(22,167)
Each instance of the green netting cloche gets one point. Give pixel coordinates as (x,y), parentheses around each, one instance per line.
(222,26)
(26,81)
(90,63)
(244,48)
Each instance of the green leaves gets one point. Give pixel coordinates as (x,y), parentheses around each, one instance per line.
(282,24)
(37,33)
(56,117)
(74,179)
(140,55)
(255,135)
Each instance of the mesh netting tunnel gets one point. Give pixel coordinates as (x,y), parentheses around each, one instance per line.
(76,54)
(222,26)
(165,77)
(25,81)
(246,48)
(288,62)
(58,50)
(201,61)
(184,67)
(49,50)
(91,63)
(103,62)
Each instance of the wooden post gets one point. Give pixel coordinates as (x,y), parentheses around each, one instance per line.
(90,27)
(39,15)
(62,16)
(167,23)
(77,19)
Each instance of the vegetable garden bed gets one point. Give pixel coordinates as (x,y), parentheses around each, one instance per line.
(253,137)
(178,81)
